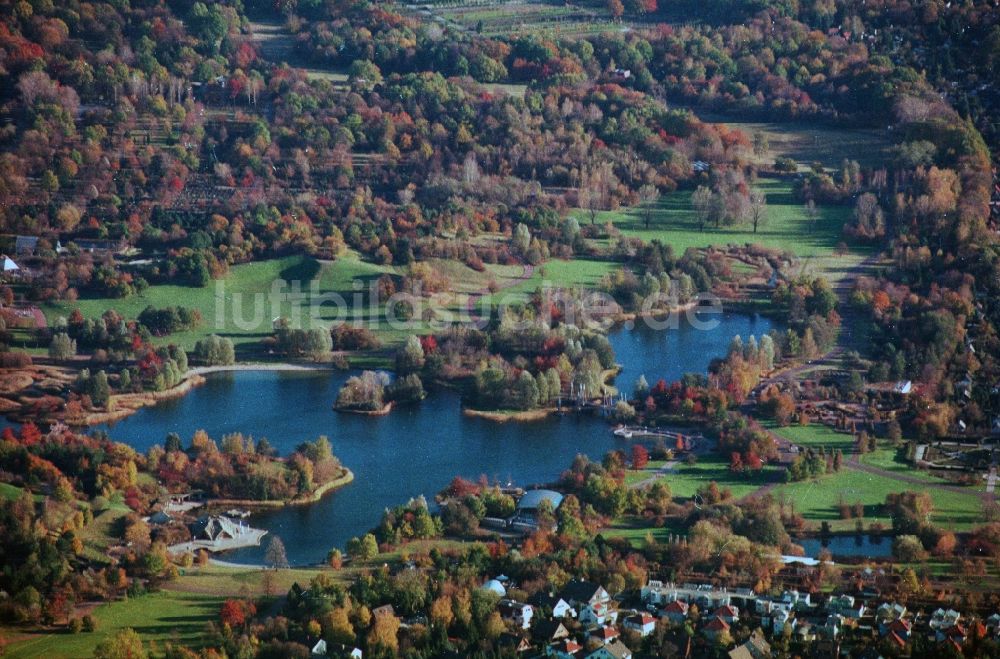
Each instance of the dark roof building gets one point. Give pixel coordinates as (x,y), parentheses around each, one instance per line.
(532,499)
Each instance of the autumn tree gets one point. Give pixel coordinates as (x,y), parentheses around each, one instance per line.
(126,644)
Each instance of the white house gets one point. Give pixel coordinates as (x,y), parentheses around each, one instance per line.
(641,623)
(795,598)
(779,618)
(598,613)
(518,613)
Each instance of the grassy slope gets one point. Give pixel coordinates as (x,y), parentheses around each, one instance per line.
(245,282)
(817,500)
(157,617)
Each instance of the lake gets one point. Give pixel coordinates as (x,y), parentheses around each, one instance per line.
(415,449)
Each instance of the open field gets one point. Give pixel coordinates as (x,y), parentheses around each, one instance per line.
(807,144)
(674,222)
(493,17)
(159,618)
(817,500)
(685,480)
(890,460)
(635,530)
(815,436)
(243,297)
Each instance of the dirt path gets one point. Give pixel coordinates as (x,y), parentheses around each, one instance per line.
(849,319)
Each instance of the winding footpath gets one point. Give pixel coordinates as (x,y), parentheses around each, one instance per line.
(843,286)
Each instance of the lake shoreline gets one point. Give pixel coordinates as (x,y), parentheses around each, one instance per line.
(501,416)
(346,478)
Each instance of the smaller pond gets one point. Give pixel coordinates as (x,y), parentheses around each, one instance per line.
(864,546)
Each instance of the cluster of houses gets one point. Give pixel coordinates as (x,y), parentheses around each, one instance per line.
(545,620)
(824,625)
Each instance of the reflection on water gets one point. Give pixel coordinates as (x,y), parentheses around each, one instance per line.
(871,546)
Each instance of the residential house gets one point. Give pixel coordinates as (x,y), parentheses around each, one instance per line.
(676,611)
(846,606)
(831,626)
(993,624)
(560,608)
(604,635)
(342,651)
(956,633)
(613,650)
(942,619)
(550,631)
(805,632)
(729,613)
(564,649)
(517,612)
(756,647)
(715,628)
(9,266)
(900,627)
(779,617)
(159,518)
(579,593)
(318,650)
(515,642)
(641,623)
(796,599)
(598,613)
(889,611)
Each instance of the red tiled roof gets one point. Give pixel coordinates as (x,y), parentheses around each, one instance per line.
(717,624)
(605,633)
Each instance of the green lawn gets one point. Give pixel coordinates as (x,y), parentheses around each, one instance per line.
(158,617)
(635,529)
(818,500)
(674,222)
(240,305)
(636,475)
(557,273)
(816,435)
(890,460)
(686,479)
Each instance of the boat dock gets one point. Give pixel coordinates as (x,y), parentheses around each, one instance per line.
(637,432)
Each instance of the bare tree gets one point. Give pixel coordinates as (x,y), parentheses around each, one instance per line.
(595,189)
(758,207)
(701,201)
(812,213)
(648,195)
